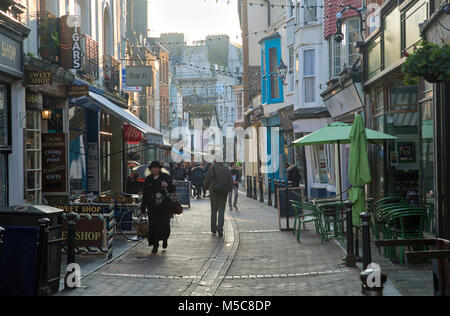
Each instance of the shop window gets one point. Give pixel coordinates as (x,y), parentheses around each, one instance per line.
(374,65)
(3,116)
(323,164)
(309,86)
(33,167)
(410,20)
(392,38)
(3,143)
(105,151)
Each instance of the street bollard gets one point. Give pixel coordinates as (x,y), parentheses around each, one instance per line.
(367,256)
(371,287)
(250,187)
(42,288)
(255,195)
(247,186)
(287,185)
(275,184)
(269,192)
(261,189)
(350,259)
(70,244)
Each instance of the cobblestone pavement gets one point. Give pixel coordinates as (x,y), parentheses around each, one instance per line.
(253,258)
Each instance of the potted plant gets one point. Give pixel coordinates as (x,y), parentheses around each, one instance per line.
(430,61)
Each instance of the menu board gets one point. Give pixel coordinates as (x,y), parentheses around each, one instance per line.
(183,192)
(54,163)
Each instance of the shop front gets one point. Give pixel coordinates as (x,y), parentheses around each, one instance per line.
(103,138)
(343,99)
(12,109)
(318,171)
(46,134)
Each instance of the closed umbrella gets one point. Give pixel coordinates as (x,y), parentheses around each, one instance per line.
(358,169)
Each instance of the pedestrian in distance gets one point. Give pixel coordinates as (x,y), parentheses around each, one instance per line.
(197,181)
(293,175)
(179,173)
(235,174)
(219,183)
(156,203)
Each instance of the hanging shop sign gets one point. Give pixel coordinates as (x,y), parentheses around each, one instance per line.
(131,134)
(54,162)
(127,88)
(139,76)
(34,101)
(10,55)
(39,77)
(76,91)
(70,38)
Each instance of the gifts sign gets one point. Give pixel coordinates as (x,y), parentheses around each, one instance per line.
(54,162)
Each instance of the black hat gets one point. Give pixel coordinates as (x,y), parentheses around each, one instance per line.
(155,164)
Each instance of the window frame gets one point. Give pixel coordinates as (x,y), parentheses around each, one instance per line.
(309,76)
(33,194)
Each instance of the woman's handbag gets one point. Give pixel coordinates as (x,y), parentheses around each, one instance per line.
(142,227)
(175,206)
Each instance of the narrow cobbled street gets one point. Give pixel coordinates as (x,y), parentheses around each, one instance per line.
(254,258)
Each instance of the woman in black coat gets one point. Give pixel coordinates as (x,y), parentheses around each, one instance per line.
(156,202)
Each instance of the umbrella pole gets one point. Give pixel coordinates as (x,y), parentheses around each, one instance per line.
(340,175)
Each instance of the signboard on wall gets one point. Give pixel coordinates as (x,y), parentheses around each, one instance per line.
(89,232)
(54,163)
(10,55)
(75,91)
(39,77)
(131,135)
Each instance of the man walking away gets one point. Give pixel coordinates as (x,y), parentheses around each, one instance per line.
(235,175)
(219,183)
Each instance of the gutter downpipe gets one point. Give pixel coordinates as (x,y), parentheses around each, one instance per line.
(268,12)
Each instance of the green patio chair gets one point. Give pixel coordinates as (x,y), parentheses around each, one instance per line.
(332,221)
(406,223)
(305,213)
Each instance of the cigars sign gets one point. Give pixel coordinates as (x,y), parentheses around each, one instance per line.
(71,53)
(54,163)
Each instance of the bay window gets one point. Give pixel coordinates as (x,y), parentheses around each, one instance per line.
(291,70)
(309,80)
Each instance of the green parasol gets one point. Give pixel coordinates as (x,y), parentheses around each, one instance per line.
(339,133)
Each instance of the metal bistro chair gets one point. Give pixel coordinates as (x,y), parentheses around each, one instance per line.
(332,221)
(305,213)
(406,223)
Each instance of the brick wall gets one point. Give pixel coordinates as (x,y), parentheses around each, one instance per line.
(330,14)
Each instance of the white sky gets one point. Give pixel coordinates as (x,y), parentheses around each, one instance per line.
(195,18)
